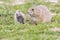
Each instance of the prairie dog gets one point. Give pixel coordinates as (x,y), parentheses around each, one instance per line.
(19,17)
(41,13)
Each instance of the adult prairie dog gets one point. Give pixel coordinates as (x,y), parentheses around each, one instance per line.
(41,13)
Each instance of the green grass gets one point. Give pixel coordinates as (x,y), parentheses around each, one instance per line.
(11,31)
(28,32)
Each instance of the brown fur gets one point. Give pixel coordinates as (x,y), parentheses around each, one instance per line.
(41,13)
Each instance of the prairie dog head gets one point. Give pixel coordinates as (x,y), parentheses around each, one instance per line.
(19,13)
(33,11)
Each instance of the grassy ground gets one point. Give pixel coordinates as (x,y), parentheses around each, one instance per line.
(11,31)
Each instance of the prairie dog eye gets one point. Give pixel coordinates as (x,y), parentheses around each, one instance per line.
(32,9)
